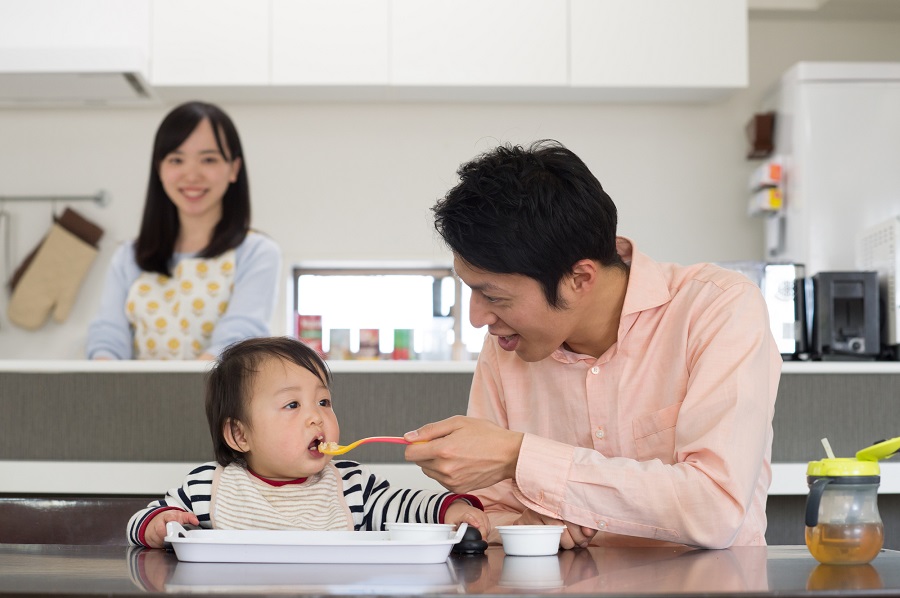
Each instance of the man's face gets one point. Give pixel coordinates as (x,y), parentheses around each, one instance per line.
(515,310)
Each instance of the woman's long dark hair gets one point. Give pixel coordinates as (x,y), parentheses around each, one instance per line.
(160,225)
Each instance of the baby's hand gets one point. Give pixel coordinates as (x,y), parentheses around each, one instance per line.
(459,511)
(155,531)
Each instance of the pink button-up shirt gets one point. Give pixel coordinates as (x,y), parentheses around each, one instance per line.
(667,436)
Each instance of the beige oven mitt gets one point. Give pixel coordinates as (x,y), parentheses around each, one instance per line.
(51,280)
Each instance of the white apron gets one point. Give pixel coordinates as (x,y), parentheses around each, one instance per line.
(174,317)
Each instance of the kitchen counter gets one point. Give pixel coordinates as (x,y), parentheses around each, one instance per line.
(123,412)
(62,366)
(136,428)
(386,366)
(787,571)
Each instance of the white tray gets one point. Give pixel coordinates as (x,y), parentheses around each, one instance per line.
(266,546)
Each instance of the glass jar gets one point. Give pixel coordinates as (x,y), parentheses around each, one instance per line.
(843,526)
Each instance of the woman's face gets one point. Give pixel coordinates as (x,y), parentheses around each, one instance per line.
(196,175)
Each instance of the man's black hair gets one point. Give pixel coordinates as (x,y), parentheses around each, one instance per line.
(533,211)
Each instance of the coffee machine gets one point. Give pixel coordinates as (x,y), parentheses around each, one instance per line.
(845,318)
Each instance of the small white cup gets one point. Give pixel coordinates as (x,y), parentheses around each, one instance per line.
(530,540)
(419,532)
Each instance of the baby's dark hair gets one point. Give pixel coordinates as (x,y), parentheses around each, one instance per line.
(230,382)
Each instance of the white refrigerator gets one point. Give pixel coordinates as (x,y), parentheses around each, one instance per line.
(837,135)
(837,138)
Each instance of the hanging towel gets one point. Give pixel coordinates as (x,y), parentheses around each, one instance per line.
(49,278)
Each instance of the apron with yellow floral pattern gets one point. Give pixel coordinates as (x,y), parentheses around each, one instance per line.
(173,317)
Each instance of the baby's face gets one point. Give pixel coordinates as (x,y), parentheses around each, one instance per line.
(290,414)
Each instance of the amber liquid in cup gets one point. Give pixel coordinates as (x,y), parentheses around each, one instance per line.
(845,543)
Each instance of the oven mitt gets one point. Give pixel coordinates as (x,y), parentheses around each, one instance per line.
(51,280)
(73,222)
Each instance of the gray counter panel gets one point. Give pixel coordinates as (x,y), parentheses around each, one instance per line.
(140,416)
(160,416)
(851,410)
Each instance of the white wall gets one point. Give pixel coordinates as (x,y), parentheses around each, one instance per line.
(356,181)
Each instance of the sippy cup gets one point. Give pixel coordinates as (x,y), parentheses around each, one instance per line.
(843,526)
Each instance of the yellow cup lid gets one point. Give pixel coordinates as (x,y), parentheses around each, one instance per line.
(839,467)
(880,450)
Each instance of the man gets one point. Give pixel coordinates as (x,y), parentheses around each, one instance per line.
(629,399)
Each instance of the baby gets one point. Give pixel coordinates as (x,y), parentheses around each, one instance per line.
(268,403)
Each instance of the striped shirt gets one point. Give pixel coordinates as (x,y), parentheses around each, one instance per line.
(345,496)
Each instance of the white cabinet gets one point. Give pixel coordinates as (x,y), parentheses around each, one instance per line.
(330,42)
(659,44)
(85,24)
(63,52)
(210,42)
(406,49)
(479,42)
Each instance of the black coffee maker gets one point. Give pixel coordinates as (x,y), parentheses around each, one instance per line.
(845,319)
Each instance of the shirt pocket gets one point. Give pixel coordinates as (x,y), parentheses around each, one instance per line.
(654,434)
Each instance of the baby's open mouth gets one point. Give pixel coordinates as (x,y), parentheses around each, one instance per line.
(315,444)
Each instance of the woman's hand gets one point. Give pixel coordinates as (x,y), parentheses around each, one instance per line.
(465,453)
(155,532)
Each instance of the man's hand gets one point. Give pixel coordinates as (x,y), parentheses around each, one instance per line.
(465,453)
(156,528)
(574,536)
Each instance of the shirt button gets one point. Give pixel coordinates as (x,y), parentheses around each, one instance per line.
(595,370)
(600,433)
(601,525)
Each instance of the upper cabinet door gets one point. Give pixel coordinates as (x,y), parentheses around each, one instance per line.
(73,25)
(61,36)
(479,42)
(74,53)
(330,42)
(210,42)
(659,43)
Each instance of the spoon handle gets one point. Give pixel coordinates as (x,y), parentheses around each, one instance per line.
(390,439)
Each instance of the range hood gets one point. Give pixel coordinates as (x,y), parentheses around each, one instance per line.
(73,77)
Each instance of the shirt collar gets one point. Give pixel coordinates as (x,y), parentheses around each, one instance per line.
(647,288)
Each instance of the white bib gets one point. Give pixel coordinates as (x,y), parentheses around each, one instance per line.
(240,501)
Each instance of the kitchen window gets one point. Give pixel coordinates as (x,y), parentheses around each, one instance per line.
(336,308)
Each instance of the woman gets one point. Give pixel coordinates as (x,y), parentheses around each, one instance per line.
(197,278)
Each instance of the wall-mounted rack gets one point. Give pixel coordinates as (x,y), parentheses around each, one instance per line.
(101,198)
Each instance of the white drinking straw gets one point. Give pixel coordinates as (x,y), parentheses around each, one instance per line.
(828,450)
